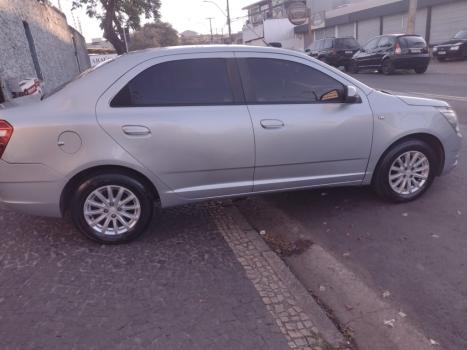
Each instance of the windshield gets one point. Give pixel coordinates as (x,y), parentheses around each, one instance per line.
(461,35)
(347,43)
(412,41)
(81,75)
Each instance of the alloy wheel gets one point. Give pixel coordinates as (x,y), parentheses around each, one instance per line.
(409,173)
(112,210)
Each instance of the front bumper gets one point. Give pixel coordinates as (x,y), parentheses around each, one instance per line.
(31,188)
(447,53)
(451,154)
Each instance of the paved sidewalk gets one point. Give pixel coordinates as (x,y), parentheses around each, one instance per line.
(179,287)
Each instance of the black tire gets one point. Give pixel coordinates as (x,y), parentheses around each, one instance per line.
(420,70)
(353,67)
(143,195)
(381,183)
(387,67)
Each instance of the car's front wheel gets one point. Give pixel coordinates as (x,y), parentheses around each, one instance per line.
(388,67)
(112,208)
(406,171)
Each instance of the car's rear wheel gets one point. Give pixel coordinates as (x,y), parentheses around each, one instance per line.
(420,70)
(112,208)
(406,171)
(387,68)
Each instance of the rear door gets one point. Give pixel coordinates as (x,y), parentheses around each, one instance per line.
(305,134)
(183,118)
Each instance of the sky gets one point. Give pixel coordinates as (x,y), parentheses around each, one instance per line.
(182,14)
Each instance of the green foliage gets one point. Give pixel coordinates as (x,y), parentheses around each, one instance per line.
(158,34)
(115,15)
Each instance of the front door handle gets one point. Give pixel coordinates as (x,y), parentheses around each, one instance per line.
(272,123)
(136,130)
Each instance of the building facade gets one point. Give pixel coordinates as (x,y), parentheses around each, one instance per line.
(436,21)
(37,42)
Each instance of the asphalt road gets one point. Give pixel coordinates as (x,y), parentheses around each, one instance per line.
(416,251)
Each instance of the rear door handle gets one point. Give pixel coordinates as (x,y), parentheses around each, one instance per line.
(272,123)
(136,130)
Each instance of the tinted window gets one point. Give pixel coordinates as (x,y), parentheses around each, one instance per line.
(371,44)
(411,41)
(327,44)
(347,43)
(182,82)
(269,81)
(461,35)
(387,41)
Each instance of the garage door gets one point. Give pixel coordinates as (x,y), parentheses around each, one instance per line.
(367,29)
(398,23)
(446,20)
(320,34)
(394,24)
(346,30)
(330,32)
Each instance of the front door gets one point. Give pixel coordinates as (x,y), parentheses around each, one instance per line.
(304,134)
(184,119)
(366,58)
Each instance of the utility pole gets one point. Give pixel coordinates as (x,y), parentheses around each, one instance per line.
(228,22)
(210,26)
(411,17)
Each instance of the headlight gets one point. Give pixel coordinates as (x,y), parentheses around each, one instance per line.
(451,117)
(455,48)
(435,49)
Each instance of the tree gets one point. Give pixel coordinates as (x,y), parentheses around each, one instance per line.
(156,34)
(116,15)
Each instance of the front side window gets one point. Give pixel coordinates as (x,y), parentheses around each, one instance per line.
(179,83)
(461,35)
(371,45)
(277,81)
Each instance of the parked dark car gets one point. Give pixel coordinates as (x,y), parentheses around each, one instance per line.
(454,48)
(336,52)
(387,53)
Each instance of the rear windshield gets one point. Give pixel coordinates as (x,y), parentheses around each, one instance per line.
(346,43)
(412,41)
(461,35)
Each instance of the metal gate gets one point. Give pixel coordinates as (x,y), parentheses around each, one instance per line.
(367,29)
(446,20)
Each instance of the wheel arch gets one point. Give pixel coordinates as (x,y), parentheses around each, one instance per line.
(430,139)
(98,170)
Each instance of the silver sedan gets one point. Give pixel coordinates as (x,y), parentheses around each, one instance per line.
(179,125)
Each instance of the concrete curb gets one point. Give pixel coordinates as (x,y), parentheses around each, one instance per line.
(322,324)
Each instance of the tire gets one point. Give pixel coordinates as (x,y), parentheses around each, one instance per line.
(420,70)
(353,67)
(385,186)
(140,208)
(387,67)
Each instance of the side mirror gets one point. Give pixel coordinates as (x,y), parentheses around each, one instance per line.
(351,95)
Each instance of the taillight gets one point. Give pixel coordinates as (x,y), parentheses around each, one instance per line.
(6,130)
(398,49)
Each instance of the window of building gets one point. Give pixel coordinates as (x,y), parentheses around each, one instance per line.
(276,81)
(179,83)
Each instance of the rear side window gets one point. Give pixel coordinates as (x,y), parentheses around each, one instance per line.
(327,44)
(179,83)
(407,42)
(276,81)
(347,43)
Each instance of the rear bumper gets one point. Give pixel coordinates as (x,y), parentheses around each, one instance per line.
(30,188)
(410,62)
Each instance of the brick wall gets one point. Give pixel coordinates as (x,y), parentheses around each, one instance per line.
(60,50)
